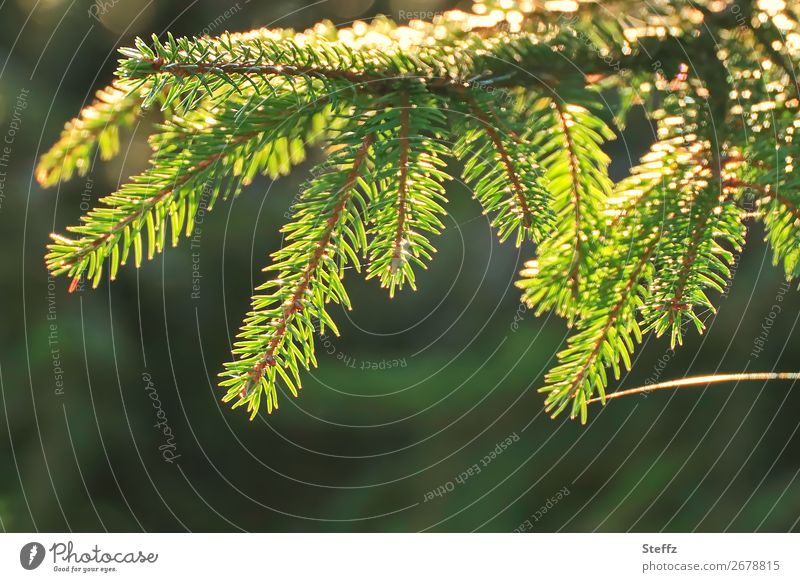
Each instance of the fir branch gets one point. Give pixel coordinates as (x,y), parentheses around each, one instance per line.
(616,261)
(568,139)
(402,186)
(407,205)
(605,335)
(525,214)
(766,110)
(169,193)
(215,69)
(662,247)
(691,261)
(95,129)
(692,256)
(564,121)
(502,170)
(277,335)
(700,221)
(780,214)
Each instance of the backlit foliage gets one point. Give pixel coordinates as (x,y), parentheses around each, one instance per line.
(524,96)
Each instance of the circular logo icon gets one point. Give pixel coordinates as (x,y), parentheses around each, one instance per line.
(31,555)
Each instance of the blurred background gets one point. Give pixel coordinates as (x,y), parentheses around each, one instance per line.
(422,416)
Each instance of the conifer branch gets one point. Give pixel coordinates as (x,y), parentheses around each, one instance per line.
(517,96)
(603,338)
(406,205)
(295,304)
(503,170)
(96,129)
(169,193)
(402,187)
(564,122)
(525,215)
(277,336)
(568,139)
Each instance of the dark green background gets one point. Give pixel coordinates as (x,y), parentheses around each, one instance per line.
(360,448)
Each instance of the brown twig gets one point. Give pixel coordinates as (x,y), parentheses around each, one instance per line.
(702,380)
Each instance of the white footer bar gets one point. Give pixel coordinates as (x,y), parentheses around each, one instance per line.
(382,557)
